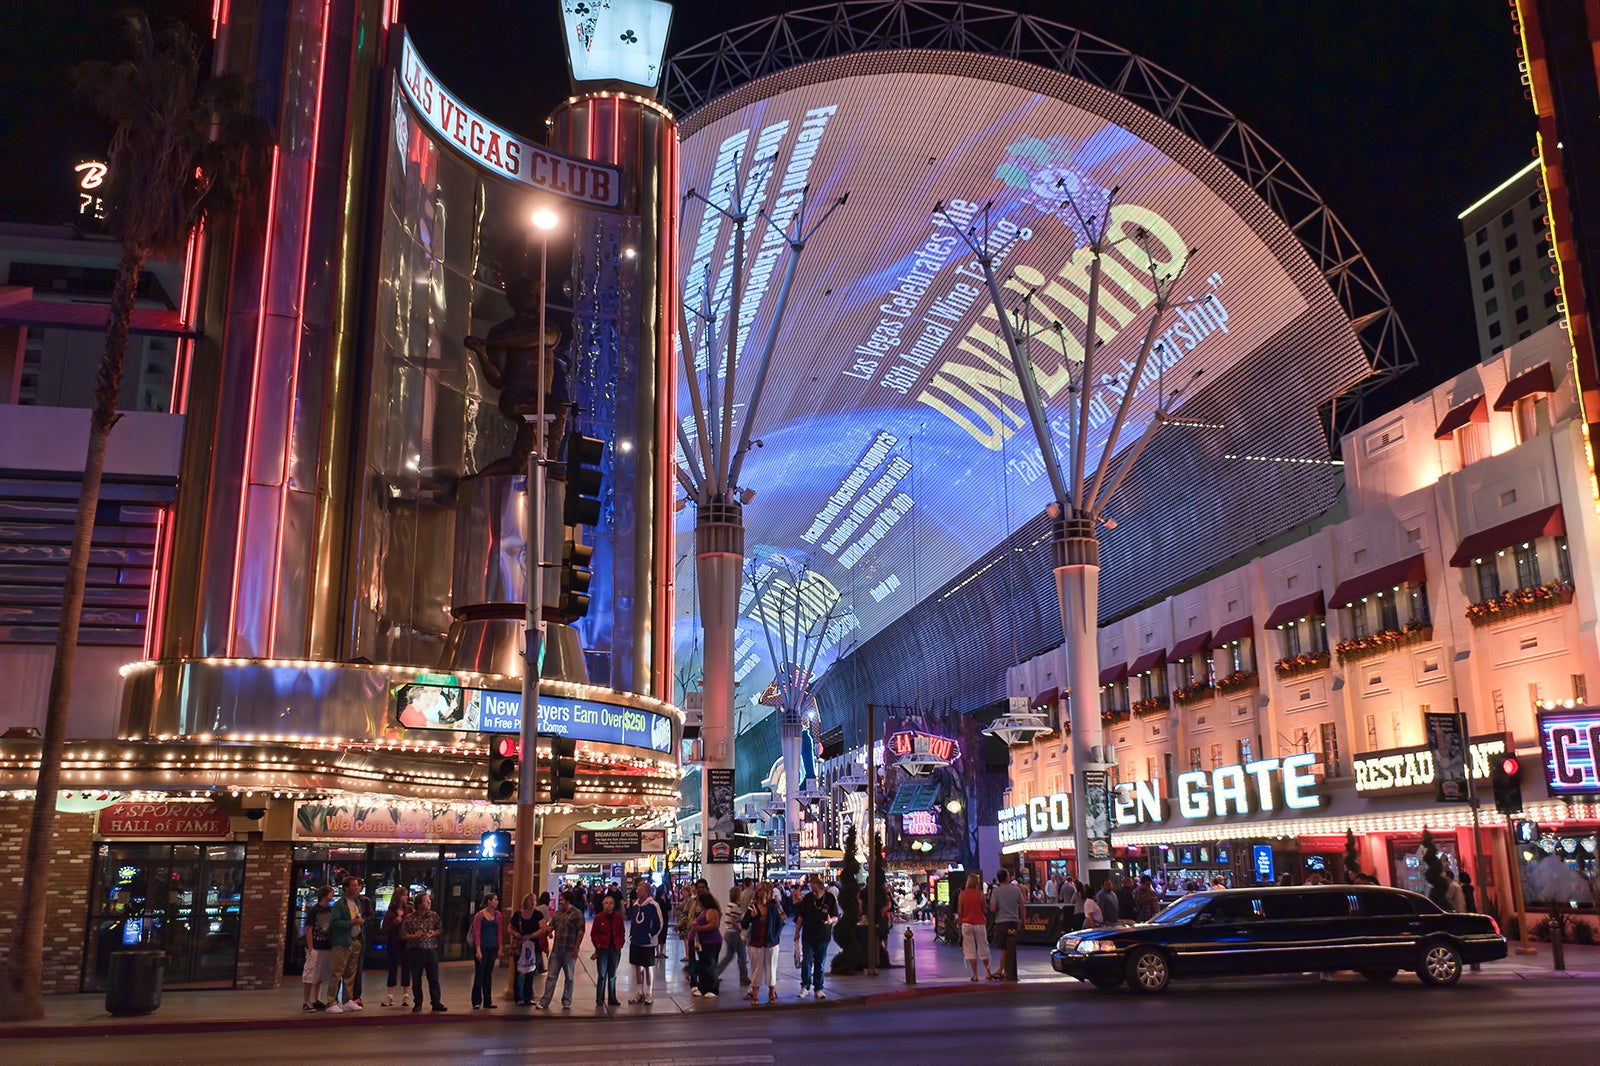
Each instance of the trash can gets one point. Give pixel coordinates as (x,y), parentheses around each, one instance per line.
(133,983)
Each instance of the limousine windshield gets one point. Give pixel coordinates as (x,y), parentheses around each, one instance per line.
(1180,911)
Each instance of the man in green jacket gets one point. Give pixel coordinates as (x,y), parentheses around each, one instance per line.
(344,934)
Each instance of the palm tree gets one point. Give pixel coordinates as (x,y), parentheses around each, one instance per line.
(181,150)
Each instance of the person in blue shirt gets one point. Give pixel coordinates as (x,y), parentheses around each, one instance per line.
(645,922)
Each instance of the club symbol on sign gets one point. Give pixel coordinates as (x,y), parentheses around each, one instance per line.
(629,37)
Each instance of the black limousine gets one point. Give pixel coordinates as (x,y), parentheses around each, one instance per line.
(1375,931)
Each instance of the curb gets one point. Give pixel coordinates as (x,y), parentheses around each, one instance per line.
(366,1021)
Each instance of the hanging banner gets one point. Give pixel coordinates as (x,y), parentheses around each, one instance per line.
(719,814)
(1097,813)
(1447,742)
(792,851)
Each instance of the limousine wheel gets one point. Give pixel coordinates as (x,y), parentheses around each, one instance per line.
(1149,971)
(1379,976)
(1441,964)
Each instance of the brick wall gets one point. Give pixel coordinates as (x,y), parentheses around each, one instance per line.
(261,913)
(66,894)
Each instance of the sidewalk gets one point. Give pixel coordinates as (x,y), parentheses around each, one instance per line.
(940,971)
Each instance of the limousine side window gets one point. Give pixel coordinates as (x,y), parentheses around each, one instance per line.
(1233,910)
(1307,905)
(1384,905)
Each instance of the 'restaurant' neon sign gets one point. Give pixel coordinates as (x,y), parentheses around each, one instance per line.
(499,150)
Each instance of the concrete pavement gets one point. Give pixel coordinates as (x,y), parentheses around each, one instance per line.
(940,971)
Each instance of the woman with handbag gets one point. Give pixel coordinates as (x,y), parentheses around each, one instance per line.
(524,922)
(763,925)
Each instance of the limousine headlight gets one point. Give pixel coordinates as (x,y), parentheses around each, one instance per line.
(1090,947)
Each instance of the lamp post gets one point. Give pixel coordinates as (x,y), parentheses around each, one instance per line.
(525,873)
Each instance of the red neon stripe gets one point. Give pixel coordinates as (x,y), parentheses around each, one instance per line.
(250,420)
(299,337)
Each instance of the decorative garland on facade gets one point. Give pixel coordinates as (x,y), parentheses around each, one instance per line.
(1514,602)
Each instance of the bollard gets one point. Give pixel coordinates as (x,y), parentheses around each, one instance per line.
(1557,950)
(1011,954)
(911,958)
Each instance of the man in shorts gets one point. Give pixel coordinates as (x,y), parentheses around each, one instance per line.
(645,922)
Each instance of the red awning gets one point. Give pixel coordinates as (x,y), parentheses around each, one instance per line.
(1150,660)
(1305,607)
(1112,674)
(1237,629)
(90,317)
(1385,577)
(1190,646)
(1048,698)
(1539,379)
(1471,411)
(1546,523)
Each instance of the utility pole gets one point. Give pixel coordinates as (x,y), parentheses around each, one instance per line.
(872,842)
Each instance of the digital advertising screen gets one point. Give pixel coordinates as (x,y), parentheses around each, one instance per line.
(421,705)
(895,447)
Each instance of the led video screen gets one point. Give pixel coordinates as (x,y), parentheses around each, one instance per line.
(895,448)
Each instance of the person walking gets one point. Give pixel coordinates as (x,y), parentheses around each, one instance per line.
(394,948)
(645,923)
(485,936)
(706,932)
(524,925)
(1145,900)
(606,936)
(733,946)
(565,929)
(688,909)
(1469,898)
(344,932)
(974,926)
(1071,902)
(814,917)
(1008,906)
(1110,905)
(319,950)
(421,935)
(762,922)
(541,943)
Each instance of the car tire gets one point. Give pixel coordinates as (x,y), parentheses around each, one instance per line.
(1379,977)
(1107,983)
(1149,971)
(1440,965)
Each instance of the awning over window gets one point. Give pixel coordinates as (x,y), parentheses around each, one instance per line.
(1150,660)
(1191,646)
(1305,607)
(1471,411)
(1385,577)
(1112,674)
(1048,698)
(1546,523)
(1237,629)
(1539,379)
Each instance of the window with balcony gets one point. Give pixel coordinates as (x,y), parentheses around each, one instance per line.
(1527,560)
(1488,579)
(1532,415)
(1417,598)
(1360,624)
(1388,611)
(1291,640)
(1563,560)
(1332,757)
(1240,656)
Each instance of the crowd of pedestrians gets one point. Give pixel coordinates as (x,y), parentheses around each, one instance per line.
(540,943)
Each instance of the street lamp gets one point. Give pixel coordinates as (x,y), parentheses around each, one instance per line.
(524,875)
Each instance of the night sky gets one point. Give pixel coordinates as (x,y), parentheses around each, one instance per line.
(1399,115)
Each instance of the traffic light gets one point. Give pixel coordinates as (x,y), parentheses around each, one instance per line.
(563,768)
(504,763)
(575,577)
(1506,777)
(582,506)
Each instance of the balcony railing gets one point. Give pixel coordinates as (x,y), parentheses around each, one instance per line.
(1515,602)
(1151,705)
(1299,665)
(1194,692)
(1388,640)
(1239,681)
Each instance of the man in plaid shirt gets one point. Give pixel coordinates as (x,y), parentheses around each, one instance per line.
(566,929)
(420,933)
